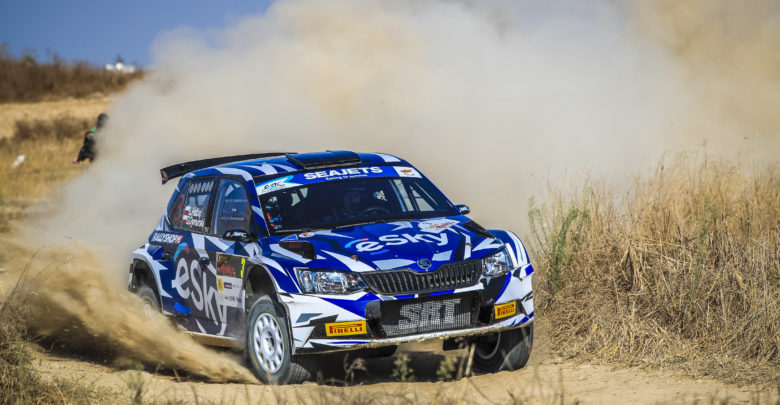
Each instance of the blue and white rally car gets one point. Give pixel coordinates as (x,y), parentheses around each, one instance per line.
(292,255)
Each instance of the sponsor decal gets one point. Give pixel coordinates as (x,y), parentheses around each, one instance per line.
(275,184)
(183,247)
(427,313)
(198,288)
(166,238)
(436,225)
(505,310)
(394,240)
(306,235)
(229,294)
(352,242)
(206,295)
(345,328)
(404,171)
(224,267)
(338,174)
(193,216)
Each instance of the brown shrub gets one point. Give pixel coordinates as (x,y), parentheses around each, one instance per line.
(58,128)
(25,80)
(682,272)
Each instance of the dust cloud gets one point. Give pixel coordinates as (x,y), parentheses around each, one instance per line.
(728,54)
(66,299)
(491,99)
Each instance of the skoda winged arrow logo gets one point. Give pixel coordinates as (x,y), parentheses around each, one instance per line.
(424,263)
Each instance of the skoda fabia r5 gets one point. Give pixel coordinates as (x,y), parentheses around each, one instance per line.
(288,256)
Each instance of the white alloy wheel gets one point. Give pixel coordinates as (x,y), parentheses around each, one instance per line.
(269,343)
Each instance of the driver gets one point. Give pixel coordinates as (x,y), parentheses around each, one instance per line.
(352,202)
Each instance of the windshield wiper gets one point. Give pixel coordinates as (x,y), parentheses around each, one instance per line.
(371,222)
(300,230)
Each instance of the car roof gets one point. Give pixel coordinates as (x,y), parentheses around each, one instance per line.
(298,162)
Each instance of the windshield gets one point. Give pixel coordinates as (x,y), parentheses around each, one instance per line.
(340,203)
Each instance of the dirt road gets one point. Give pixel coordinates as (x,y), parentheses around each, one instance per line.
(546,379)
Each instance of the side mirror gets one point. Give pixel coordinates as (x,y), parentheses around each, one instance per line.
(239,235)
(463,208)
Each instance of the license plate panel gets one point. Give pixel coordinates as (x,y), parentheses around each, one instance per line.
(429,314)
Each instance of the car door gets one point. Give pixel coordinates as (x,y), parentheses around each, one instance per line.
(193,281)
(232,213)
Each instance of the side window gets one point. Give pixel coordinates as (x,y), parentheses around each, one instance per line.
(174,215)
(232,210)
(196,204)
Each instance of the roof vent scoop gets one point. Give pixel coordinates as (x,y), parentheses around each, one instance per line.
(331,158)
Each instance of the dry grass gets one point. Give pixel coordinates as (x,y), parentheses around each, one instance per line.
(25,79)
(682,272)
(48,147)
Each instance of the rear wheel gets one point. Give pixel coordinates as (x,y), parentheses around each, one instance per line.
(269,346)
(149,299)
(505,350)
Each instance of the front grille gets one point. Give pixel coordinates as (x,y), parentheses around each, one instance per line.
(430,314)
(447,277)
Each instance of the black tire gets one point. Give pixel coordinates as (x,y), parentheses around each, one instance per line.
(506,350)
(269,346)
(149,299)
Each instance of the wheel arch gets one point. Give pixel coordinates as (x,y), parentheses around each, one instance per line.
(141,273)
(257,283)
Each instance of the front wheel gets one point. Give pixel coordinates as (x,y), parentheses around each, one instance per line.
(269,349)
(506,350)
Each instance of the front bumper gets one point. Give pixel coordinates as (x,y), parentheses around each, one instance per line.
(328,323)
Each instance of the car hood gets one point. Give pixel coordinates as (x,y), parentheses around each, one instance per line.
(420,245)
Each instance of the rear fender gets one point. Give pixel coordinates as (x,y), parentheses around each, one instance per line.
(141,262)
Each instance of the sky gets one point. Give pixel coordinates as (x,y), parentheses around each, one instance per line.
(98,30)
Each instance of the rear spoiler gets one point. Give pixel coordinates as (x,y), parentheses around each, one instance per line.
(180,169)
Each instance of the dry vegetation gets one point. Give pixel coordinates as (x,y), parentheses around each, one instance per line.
(682,272)
(25,79)
(19,383)
(48,147)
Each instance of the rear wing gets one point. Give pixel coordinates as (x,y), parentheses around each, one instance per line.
(180,169)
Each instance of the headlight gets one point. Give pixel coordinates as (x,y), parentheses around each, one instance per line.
(329,282)
(497,264)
